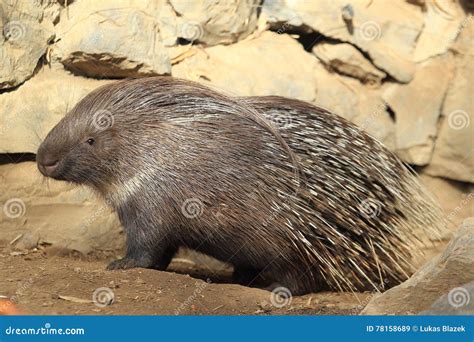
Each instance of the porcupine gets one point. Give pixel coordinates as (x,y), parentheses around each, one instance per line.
(314,204)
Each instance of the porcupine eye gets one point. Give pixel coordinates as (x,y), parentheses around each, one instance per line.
(90,141)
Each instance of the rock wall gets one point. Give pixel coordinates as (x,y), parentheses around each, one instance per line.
(401,70)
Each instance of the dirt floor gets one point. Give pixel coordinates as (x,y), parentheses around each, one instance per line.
(38,284)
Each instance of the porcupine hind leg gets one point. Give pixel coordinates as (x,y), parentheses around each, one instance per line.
(295,282)
(249,276)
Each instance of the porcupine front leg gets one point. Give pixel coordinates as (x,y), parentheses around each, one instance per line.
(144,248)
(159,258)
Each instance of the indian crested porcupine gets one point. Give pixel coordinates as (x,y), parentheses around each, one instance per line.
(313,204)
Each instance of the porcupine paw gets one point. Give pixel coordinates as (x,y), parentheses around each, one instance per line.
(126,263)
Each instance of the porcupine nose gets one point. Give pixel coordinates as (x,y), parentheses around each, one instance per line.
(47,165)
(50,166)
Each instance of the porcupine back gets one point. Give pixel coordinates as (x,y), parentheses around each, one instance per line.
(365,215)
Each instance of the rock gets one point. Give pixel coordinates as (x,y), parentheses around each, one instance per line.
(67,218)
(265,66)
(417,108)
(335,94)
(215,22)
(167,22)
(268,68)
(451,158)
(453,268)
(101,39)
(452,155)
(458,301)
(28,113)
(347,60)
(27,27)
(421,3)
(386,30)
(281,16)
(27,241)
(443,22)
(373,116)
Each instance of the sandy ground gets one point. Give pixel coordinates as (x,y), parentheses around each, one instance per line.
(43,285)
